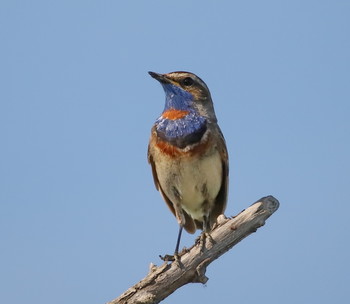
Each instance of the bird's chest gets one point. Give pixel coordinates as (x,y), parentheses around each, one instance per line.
(180,128)
(191,181)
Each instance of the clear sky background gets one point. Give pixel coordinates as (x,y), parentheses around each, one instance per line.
(80,218)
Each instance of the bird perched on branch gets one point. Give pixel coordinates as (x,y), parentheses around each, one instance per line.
(188,154)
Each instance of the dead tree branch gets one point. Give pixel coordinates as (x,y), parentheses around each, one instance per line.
(164,280)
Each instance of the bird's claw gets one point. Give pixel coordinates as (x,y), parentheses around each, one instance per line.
(203,239)
(168,257)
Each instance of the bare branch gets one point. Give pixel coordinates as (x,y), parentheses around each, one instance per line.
(164,280)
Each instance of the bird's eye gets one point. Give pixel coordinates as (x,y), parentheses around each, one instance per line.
(187,82)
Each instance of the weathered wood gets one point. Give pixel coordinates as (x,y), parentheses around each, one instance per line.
(164,280)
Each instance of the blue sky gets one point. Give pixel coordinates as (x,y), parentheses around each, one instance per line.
(80,218)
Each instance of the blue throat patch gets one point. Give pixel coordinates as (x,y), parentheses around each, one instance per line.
(176,97)
(183,131)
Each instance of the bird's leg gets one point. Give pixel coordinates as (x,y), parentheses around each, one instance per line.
(176,256)
(181,220)
(176,252)
(205,234)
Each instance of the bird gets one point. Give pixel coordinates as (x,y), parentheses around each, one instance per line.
(188,155)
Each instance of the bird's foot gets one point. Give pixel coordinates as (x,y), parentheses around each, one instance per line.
(176,257)
(203,240)
(168,257)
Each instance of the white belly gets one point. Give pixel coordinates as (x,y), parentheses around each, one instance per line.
(196,181)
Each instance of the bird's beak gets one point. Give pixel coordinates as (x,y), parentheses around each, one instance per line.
(160,77)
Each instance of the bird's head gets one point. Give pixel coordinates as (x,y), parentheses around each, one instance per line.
(186,92)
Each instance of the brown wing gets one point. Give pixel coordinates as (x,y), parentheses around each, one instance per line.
(221,199)
(189,223)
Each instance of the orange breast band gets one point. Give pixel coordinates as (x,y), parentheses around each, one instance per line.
(168,149)
(173,114)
